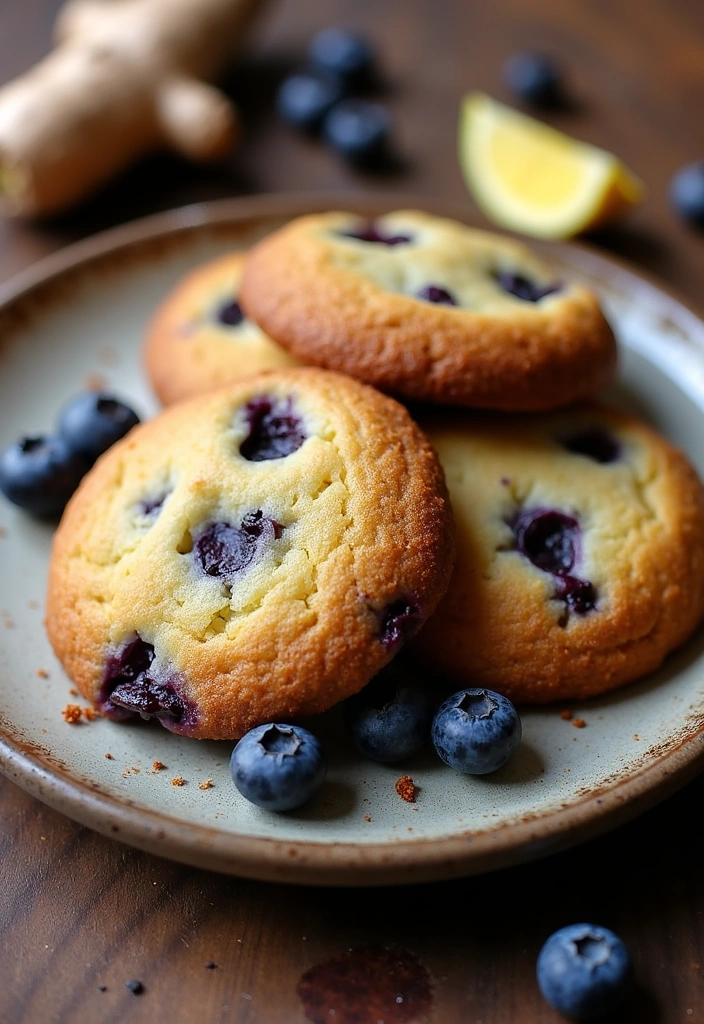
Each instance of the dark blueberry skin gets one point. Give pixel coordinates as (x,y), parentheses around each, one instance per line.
(274,430)
(230,314)
(595,443)
(372,233)
(303,100)
(398,622)
(687,193)
(39,474)
(278,767)
(130,688)
(389,720)
(579,595)
(434,293)
(348,56)
(476,731)
(359,131)
(90,423)
(549,539)
(224,550)
(535,78)
(521,288)
(584,971)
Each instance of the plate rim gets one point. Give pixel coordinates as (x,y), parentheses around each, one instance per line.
(309,861)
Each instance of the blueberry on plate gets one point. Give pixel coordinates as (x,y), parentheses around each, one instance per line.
(91,422)
(476,731)
(584,971)
(534,77)
(303,100)
(278,767)
(359,131)
(389,720)
(687,193)
(349,56)
(39,474)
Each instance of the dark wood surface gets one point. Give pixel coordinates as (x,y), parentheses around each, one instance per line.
(81,915)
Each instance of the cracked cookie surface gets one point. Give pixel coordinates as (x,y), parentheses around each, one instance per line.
(580,552)
(426,308)
(199,337)
(254,554)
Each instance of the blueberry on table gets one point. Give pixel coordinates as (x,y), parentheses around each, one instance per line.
(359,131)
(278,767)
(92,422)
(533,77)
(303,100)
(349,56)
(584,971)
(687,193)
(39,474)
(389,720)
(476,731)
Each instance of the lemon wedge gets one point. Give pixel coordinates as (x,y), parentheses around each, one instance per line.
(531,178)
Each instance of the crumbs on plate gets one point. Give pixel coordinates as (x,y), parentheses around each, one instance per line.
(406,789)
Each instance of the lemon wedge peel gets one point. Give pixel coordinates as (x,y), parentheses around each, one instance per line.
(531,178)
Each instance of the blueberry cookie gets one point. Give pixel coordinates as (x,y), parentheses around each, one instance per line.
(427,308)
(580,552)
(199,337)
(250,555)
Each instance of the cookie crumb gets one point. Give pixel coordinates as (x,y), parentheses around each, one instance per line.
(206,784)
(406,789)
(3,531)
(89,714)
(178,781)
(72,714)
(43,674)
(158,766)
(95,382)
(73,691)
(109,757)
(566,714)
(136,987)
(578,723)
(367,817)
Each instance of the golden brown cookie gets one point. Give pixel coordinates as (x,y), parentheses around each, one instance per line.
(199,337)
(253,554)
(580,561)
(427,308)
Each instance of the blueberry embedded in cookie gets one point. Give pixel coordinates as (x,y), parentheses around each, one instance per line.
(199,337)
(254,554)
(426,308)
(580,562)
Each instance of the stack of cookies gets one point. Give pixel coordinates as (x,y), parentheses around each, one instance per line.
(377,435)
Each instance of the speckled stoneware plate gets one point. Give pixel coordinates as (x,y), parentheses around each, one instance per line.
(76,320)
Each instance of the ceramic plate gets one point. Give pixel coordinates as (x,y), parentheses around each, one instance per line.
(76,320)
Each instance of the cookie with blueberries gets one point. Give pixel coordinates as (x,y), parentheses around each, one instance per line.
(250,555)
(427,308)
(580,552)
(199,337)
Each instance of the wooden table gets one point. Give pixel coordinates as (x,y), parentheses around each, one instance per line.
(81,915)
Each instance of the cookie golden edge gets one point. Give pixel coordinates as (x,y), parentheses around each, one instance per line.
(415,557)
(329,316)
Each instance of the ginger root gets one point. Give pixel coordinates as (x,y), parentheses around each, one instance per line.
(126,77)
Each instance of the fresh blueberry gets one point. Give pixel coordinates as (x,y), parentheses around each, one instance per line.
(304,99)
(92,422)
(535,78)
(687,193)
(275,431)
(349,56)
(476,731)
(584,971)
(39,474)
(389,720)
(278,767)
(359,131)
